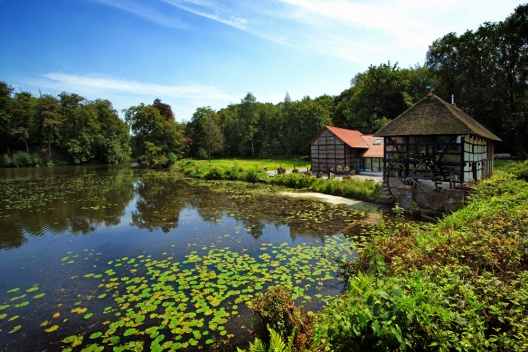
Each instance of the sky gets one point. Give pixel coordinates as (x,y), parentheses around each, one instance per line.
(197,53)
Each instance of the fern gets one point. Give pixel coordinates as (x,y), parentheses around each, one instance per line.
(277,344)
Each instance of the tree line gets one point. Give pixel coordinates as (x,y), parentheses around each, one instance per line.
(485,70)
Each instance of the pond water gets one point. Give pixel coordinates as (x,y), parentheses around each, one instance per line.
(114,258)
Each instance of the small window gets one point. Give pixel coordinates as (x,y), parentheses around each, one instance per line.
(378,141)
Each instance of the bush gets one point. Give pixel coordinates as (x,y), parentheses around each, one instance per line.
(6,161)
(214,173)
(22,159)
(297,181)
(276,311)
(234,173)
(459,285)
(251,175)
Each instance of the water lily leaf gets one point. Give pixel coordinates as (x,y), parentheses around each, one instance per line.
(15,329)
(75,340)
(40,295)
(2,316)
(23,304)
(130,331)
(52,328)
(88,316)
(13,290)
(32,289)
(96,335)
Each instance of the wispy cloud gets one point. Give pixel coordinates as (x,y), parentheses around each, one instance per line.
(104,84)
(125,93)
(212,10)
(145,10)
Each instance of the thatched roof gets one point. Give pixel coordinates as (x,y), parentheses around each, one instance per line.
(434,116)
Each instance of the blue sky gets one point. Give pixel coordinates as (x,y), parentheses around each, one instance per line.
(194,53)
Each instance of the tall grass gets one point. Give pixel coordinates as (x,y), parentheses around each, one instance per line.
(350,188)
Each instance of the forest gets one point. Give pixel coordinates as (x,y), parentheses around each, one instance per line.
(485,70)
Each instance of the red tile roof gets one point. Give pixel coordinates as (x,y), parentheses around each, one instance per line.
(350,137)
(358,140)
(375,150)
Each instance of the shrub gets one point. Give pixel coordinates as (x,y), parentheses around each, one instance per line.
(6,161)
(233,173)
(251,175)
(297,181)
(214,173)
(276,311)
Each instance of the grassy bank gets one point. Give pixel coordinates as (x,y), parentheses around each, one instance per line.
(459,285)
(255,170)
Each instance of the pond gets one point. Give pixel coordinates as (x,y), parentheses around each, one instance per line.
(100,258)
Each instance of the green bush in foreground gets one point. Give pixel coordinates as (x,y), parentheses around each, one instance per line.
(459,285)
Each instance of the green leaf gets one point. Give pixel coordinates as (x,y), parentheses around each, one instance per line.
(96,335)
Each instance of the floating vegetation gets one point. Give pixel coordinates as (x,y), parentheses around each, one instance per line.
(188,284)
(171,304)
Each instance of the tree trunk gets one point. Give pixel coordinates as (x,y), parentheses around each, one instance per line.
(27,146)
(49,147)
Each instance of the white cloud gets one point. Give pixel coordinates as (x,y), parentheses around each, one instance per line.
(145,10)
(210,10)
(184,99)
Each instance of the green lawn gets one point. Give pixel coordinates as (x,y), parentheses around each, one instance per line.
(271,164)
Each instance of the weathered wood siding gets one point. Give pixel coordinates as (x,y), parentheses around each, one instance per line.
(328,152)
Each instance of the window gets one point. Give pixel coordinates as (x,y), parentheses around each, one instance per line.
(378,141)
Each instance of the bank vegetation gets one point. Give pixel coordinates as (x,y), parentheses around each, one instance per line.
(458,285)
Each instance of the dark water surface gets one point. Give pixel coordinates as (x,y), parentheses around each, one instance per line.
(100,258)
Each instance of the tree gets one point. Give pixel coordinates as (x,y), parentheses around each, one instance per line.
(376,96)
(487,72)
(24,109)
(205,132)
(158,141)
(113,140)
(6,117)
(214,139)
(248,117)
(50,118)
(164,109)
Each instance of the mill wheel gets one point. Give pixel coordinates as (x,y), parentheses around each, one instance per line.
(417,172)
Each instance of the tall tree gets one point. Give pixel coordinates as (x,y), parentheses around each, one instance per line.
(248,117)
(113,142)
(205,133)
(6,114)
(50,118)
(158,141)
(24,112)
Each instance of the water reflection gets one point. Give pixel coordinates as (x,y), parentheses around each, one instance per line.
(81,200)
(70,200)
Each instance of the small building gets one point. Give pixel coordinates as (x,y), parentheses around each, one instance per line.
(336,149)
(433,146)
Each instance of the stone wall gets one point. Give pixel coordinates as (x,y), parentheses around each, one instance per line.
(443,201)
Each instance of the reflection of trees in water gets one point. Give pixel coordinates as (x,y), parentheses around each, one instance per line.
(161,199)
(88,199)
(78,200)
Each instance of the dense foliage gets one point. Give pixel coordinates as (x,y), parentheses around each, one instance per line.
(486,71)
(79,130)
(461,284)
